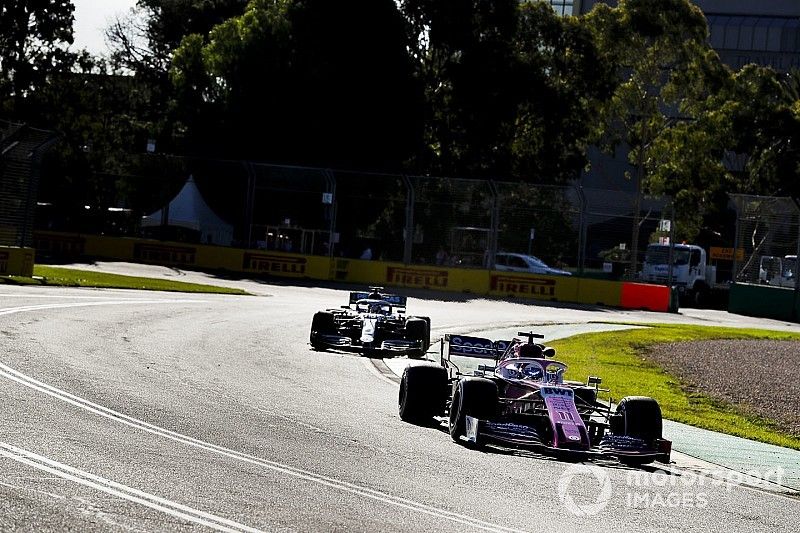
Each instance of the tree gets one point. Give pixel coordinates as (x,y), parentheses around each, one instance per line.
(33,35)
(310,82)
(746,116)
(652,44)
(565,82)
(144,40)
(512,89)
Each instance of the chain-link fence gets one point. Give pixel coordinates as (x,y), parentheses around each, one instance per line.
(410,219)
(767,240)
(619,225)
(21,150)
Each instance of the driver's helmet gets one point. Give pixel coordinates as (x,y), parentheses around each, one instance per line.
(528,350)
(532,371)
(375,295)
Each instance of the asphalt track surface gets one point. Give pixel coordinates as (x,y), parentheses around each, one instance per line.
(141,411)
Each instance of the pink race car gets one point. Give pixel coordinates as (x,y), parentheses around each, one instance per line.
(521,399)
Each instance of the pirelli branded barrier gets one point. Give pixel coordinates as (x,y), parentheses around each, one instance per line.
(493,283)
(186,255)
(16,261)
(287,265)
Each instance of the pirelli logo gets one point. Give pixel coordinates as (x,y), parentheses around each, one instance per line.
(416,277)
(4,256)
(161,253)
(525,286)
(275,264)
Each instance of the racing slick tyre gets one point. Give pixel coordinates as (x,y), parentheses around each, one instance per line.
(417,329)
(323,323)
(641,418)
(423,393)
(475,397)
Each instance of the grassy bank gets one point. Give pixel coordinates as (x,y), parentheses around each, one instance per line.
(617,357)
(65,277)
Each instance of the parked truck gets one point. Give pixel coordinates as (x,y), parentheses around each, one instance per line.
(691,273)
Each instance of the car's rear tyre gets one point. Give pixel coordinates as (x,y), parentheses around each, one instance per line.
(417,329)
(475,397)
(641,418)
(423,393)
(323,323)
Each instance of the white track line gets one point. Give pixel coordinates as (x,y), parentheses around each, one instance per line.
(377,373)
(352,488)
(117,489)
(345,486)
(14,310)
(70,296)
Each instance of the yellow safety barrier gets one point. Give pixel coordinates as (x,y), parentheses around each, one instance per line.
(16,261)
(538,287)
(357,271)
(599,292)
(410,276)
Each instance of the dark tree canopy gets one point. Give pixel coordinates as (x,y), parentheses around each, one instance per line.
(33,39)
(496,89)
(309,82)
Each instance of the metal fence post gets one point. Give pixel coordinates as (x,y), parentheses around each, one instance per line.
(736,246)
(495,225)
(33,189)
(249,201)
(330,179)
(794,274)
(408,244)
(581,229)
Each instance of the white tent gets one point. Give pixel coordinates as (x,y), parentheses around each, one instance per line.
(189,210)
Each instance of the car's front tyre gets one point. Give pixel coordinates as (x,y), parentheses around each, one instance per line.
(475,397)
(418,330)
(423,393)
(641,419)
(323,323)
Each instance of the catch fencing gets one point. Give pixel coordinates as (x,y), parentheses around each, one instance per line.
(21,150)
(767,240)
(453,222)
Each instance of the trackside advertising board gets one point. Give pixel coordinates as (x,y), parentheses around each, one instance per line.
(356,271)
(16,261)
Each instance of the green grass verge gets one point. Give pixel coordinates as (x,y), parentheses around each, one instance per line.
(65,277)
(617,358)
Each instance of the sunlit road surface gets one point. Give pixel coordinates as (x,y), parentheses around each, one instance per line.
(128,410)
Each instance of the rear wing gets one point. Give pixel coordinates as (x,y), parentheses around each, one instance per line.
(474,347)
(393,299)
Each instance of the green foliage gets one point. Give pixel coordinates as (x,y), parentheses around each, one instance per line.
(511,89)
(495,89)
(67,277)
(618,357)
(33,39)
(748,113)
(311,82)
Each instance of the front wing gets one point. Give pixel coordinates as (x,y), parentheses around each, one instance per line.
(396,346)
(513,434)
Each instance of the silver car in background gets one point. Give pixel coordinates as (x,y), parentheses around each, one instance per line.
(508,262)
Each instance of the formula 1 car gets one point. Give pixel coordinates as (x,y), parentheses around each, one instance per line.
(522,400)
(373,323)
